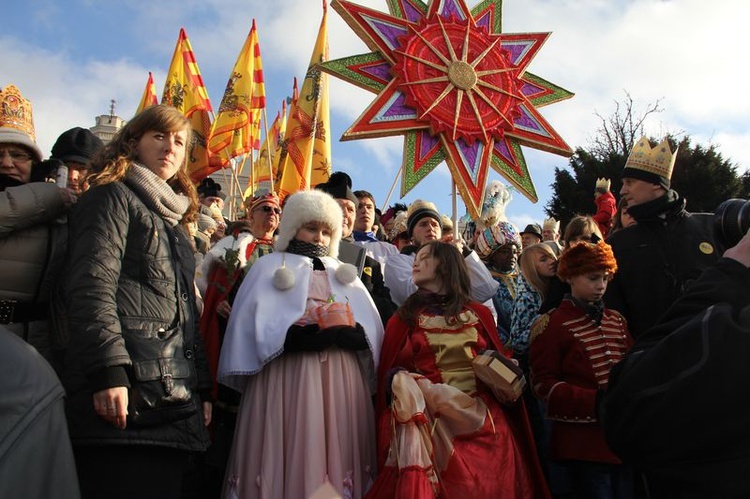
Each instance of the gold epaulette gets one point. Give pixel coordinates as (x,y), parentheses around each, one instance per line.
(539,325)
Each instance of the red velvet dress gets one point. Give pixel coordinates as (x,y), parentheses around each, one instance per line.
(445,435)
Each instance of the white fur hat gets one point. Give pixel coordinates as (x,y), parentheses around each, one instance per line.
(308,206)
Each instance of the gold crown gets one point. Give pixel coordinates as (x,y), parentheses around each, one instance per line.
(551,224)
(658,160)
(603,184)
(15,111)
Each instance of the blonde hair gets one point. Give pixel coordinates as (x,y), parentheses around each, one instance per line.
(114,160)
(528,267)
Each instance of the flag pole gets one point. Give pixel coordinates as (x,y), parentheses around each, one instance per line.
(393,186)
(454,216)
(268,148)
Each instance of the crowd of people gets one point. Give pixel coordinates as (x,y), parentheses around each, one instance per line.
(316,347)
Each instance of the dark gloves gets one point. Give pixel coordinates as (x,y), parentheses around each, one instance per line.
(311,338)
(308,338)
(349,337)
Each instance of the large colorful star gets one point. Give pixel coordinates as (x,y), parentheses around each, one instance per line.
(455,86)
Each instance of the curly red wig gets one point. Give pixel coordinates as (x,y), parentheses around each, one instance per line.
(582,257)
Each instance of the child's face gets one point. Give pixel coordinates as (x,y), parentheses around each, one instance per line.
(589,287)
(546,265)
(314,233)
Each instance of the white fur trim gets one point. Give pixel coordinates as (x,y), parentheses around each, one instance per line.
(346,273)
(307,206)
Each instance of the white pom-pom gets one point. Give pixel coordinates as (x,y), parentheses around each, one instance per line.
(283,279)
(346,273)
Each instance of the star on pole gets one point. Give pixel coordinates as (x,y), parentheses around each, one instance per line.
(455,86)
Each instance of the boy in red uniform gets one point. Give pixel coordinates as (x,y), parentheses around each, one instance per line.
(573,349)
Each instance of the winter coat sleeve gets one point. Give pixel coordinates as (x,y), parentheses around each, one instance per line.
(398,278)
(483,286)
(99,232)
(565,401)
(28,205)
(606,207)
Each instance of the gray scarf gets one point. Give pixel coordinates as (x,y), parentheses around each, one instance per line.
(156,194)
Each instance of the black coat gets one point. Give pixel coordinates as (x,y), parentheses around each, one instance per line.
(676,406)
(658,258)
(121,285)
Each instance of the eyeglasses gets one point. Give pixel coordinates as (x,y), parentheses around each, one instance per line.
(15,156)
(269,209)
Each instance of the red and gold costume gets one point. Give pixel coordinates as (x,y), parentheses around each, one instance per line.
(445,435)
(571,356)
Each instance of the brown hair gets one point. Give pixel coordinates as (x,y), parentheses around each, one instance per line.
(113,161)
(617,221)
(578,225)
(452,271)
(528,267)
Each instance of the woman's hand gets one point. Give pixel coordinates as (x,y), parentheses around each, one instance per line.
(112,405)
(224,308)
(207,411)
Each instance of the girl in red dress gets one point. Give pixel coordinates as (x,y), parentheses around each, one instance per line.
(442,433)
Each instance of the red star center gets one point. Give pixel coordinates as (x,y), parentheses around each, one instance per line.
(459,79)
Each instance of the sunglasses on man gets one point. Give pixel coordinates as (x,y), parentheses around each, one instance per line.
(269,209)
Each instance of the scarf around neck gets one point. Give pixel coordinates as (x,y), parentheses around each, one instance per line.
(156,194)
(306,249)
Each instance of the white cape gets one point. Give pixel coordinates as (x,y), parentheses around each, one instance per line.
(262,314)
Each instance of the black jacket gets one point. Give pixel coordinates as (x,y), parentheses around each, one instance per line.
(676,406)
(658,258)
(120,286)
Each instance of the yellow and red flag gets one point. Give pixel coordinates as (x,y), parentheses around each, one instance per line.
(266,166)
(184,89)
(149,97)
(308,138)
(236,129)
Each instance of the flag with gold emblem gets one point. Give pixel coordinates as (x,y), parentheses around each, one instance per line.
(308,138)
(236,129)
(184,89)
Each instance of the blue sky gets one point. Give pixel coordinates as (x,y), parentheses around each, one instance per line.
(71,57)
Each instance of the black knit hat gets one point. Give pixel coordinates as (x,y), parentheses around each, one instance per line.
(339,186)
(208,188)
(77,144)
(418,210)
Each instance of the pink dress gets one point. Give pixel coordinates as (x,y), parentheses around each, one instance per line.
(305,419)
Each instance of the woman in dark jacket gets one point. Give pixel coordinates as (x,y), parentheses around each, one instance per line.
(135,366)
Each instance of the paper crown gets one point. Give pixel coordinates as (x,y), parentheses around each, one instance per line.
(602,185)
(16,120)
(653,165)
(551,224)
